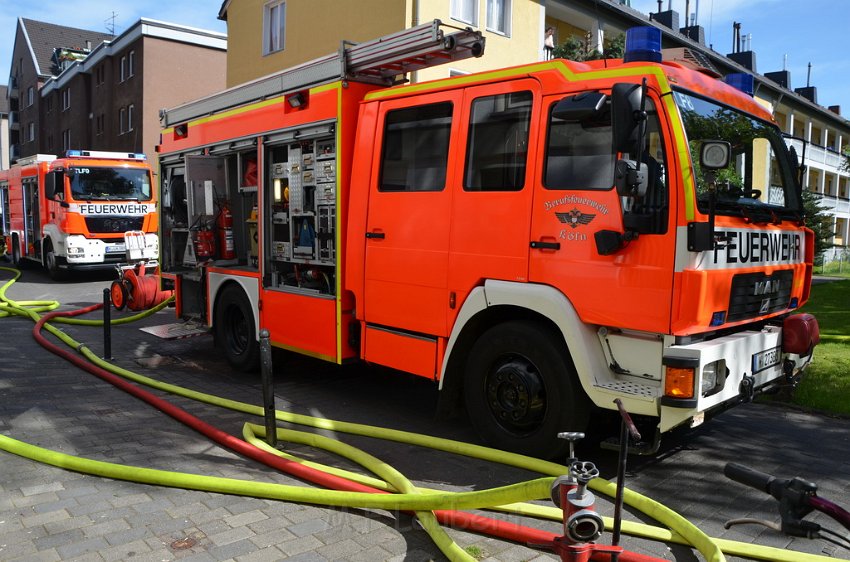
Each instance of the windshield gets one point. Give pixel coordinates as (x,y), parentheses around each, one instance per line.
(90,183)
(758,183)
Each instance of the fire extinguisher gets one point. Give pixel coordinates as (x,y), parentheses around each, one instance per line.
(224,223)
(204,244)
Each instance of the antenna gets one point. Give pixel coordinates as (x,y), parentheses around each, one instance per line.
(110,23)
(809,76)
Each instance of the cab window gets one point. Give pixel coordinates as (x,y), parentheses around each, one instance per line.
(416,148)
(497,149)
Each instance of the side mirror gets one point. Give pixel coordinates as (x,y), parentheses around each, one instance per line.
(715,155)
(626,103)
(50,184)
(580,107)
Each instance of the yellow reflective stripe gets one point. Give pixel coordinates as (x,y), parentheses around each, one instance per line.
(684,154)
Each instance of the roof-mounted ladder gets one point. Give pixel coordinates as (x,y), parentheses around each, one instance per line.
(378,61)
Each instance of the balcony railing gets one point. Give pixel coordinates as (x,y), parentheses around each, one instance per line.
(835,205)
(821,157)
(14,120)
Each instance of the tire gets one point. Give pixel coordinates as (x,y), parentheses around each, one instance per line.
(235,331)
(521,390)
(119,295)
(51,263)
(16,253)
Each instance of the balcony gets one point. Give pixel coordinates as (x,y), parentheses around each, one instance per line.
(14,153)
(835,205)
(818,156)
(13,87)
(14,121)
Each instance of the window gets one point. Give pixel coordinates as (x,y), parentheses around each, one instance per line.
(580,155)
(123,71)
(30,96)
(465,11)
(66,139)
(759,182)
(99,124)
(66,98)
(131,64)
(498,143)
(122,117)
(499,16)
(416,148)
(31,132)
(274,25)
(130,111)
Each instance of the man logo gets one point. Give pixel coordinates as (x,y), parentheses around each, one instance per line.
(767,287)
(575,218)
(765,306)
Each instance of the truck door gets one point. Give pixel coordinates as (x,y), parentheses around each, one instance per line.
(32,234)
(575,199)
(408,229)
(492,199)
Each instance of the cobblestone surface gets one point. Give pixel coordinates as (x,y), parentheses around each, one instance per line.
(47,513)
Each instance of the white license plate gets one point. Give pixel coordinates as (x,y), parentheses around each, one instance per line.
(766,359)
(114,248)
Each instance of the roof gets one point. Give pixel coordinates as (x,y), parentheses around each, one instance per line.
(4,100)
(43,38)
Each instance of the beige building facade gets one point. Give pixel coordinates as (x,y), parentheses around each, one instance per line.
(265,36)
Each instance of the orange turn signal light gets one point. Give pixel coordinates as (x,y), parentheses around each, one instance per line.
(679,382)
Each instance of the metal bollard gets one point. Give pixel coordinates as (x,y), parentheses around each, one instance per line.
(268,387)
(107,324)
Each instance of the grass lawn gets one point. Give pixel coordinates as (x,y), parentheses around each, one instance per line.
(826,383)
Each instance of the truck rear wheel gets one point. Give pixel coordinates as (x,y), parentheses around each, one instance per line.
(51,263)
(235,329)
(521,390)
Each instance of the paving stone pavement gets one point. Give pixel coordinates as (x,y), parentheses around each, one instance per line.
(48,513)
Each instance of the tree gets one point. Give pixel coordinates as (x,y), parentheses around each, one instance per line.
(819,221)
(580,50)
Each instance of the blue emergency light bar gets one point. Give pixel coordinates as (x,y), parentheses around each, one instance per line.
(741,81)
(104,154)
(643,44)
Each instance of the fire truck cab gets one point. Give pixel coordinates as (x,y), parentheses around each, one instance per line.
(70,213)
(538,240)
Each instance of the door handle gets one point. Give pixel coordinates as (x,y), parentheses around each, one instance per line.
(540,245)
(378,235)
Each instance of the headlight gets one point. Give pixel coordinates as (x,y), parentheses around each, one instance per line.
(77,252)
(713,377)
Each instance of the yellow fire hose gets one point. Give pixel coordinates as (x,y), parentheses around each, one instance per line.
(408,497)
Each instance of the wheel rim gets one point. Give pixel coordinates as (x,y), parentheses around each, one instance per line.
(236,333)
(118,295)
(516,394)
(51,261)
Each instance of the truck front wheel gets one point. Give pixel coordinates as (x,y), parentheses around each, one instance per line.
(235,329)
(521,390)
(51,263)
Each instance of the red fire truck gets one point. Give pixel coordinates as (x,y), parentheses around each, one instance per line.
(70,213)
(537,240)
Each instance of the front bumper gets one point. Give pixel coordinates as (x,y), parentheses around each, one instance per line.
(749,360)
(86,253)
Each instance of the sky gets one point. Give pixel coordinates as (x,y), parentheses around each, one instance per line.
(805,30)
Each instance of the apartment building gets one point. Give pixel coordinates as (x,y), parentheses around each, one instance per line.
(268,35)
(86,90)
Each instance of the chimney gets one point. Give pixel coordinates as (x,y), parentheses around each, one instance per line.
(808,92)
(781,77)
(835,109)
(747,59)
(669,18)
(694,33)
